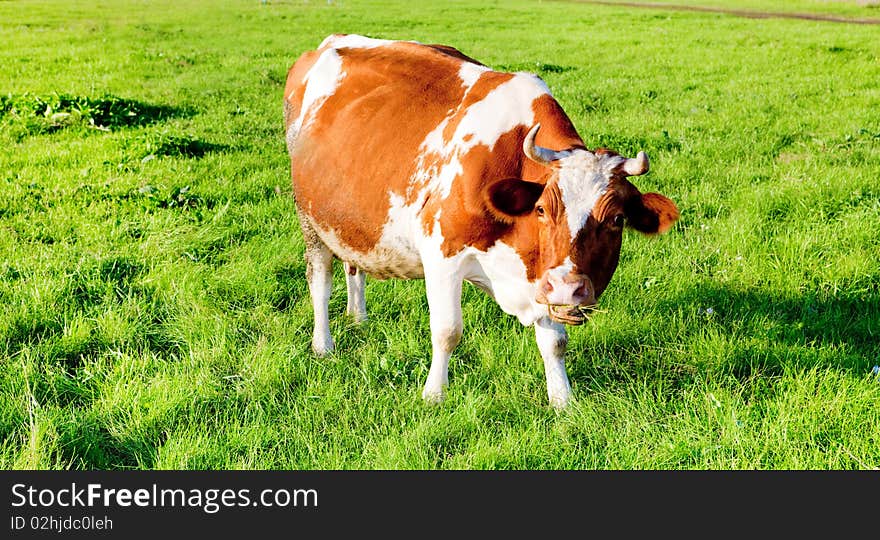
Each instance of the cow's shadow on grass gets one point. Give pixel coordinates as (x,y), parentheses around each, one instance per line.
(705,332)
(30,114)
(742,333)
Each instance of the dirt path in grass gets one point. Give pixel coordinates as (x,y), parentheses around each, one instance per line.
(738,12)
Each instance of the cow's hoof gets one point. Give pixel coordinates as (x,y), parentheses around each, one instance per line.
(359,317)
(560,402)
(433,396)
(322,347)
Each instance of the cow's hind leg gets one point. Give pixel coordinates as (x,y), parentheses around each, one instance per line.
(355,281)
(443,288)
(319,273)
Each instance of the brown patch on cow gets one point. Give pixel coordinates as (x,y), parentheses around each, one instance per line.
(553,235)
(455,53)
(662,211)
(461,228)
(524,237)
(595,252)
(608,206)
(465,219)
(557,131)
(648,213)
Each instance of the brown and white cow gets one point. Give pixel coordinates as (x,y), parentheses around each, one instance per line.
(416,161)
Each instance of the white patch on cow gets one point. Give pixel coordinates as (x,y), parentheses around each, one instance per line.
(396,254)
(504,108)
(500,272)
(495,115)
(397,250)
(444,165)
(355,41)
(321,82)
(469,73)
(383,261)
(583,178)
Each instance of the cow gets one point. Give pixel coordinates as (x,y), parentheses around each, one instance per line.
(416,161)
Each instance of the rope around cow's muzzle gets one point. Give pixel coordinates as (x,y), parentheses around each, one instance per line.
(568,314)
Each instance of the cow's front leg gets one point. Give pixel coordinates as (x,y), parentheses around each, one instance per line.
(444,303)
(552,340)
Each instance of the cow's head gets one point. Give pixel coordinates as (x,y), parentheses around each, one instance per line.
(578,215)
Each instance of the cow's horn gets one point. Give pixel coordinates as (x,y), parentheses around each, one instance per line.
(637,165)
(534,152)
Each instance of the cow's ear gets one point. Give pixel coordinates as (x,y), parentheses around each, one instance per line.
(650,213)
(511,198)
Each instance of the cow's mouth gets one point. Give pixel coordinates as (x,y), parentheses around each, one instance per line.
(568,314)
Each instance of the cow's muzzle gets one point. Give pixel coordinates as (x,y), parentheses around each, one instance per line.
(569,298)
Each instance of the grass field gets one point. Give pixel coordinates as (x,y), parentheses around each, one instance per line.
(854,9)
(155,312)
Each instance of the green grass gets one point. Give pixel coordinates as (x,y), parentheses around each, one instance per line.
(856,9)
(154,307)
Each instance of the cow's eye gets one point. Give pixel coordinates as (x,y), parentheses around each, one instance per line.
(618,221)
(539,210)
